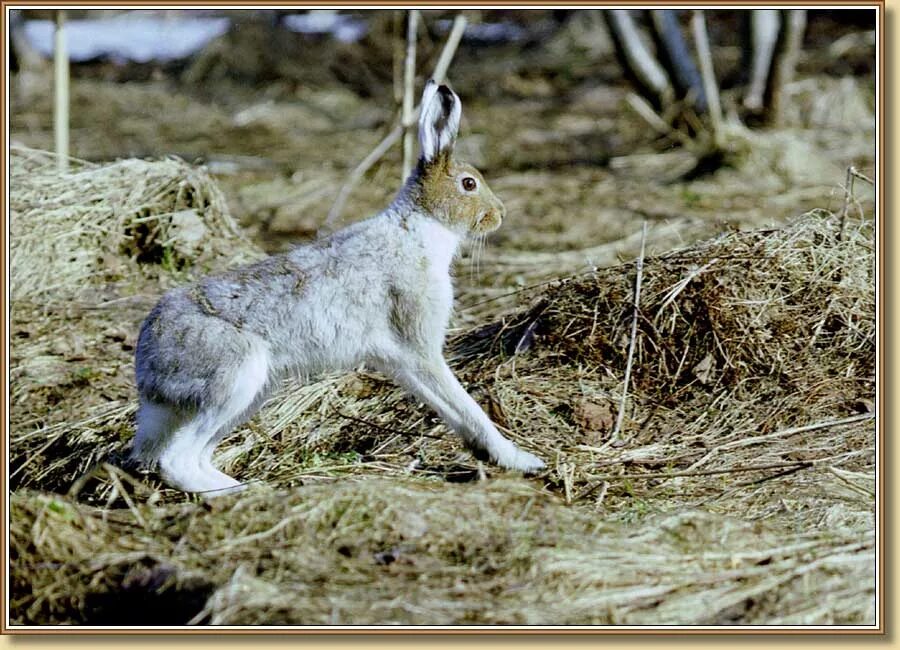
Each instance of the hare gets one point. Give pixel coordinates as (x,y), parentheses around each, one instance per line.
(378,292)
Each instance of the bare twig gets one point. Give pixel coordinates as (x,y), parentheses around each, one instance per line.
(787,53)
(844,477)
(642,107)
(783,433)
(26,54)
(858,174)
(848,196)
(637,302)
(599,480)
(673,52)
(710,87)
(852,173)
(771,477)
(383,429)
(113,473)
(359,171)
(61,94)
(637,57)
(409,78)
(397,60)
(446,57)
(676,290)
(764,26)
(440,70)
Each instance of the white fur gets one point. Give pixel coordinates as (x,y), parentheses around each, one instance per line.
(438,128)
(186,460)
(378,292)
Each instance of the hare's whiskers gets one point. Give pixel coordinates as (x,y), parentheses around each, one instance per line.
(482,237)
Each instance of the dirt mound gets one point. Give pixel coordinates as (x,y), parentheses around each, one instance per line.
(790,306)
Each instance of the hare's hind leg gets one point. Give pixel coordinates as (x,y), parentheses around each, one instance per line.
(245,397)
(167,438)
(182,442)
(179,461)
(155,425)
(185,461)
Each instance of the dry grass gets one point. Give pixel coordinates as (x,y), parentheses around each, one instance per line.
(382,552)
(740,491)
(98,225)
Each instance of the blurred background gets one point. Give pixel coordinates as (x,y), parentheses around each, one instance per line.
(281,105)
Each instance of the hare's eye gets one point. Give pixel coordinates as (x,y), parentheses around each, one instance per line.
(469,184)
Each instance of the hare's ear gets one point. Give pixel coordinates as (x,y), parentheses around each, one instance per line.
(438,120)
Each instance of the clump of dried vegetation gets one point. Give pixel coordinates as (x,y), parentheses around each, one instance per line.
(98,225)
(740,489)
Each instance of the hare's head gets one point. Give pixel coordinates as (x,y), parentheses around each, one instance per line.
(452,191)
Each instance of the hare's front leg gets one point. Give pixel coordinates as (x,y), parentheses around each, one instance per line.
(432,381)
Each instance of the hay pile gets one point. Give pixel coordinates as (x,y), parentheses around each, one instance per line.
(740,491)
(96,225)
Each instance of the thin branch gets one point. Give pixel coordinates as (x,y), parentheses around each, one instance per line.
(634,321)
(675,57)
(637,57)
(771,477)
(383,429)
(858,174)
(409,78)
(61,94)
(784,66)
(710,87)
(783,433)
(359,171)
(27,56)
(642,107)
(708,472)
(859,489)
(848,196)
(113,473)
(398,56)
(440,71)
(599,480)
(446,57)
(764,27)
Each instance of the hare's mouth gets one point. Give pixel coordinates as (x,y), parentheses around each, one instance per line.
(487,222)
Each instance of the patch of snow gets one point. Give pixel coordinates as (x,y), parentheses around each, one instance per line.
(129,37)
(344,28)
(501,32)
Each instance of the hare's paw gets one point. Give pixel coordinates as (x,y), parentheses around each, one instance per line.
(522,461)
(528,463)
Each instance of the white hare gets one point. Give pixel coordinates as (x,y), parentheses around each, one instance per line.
(378,292)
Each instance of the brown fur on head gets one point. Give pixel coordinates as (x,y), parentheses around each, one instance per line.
(456,194)
(452,191)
